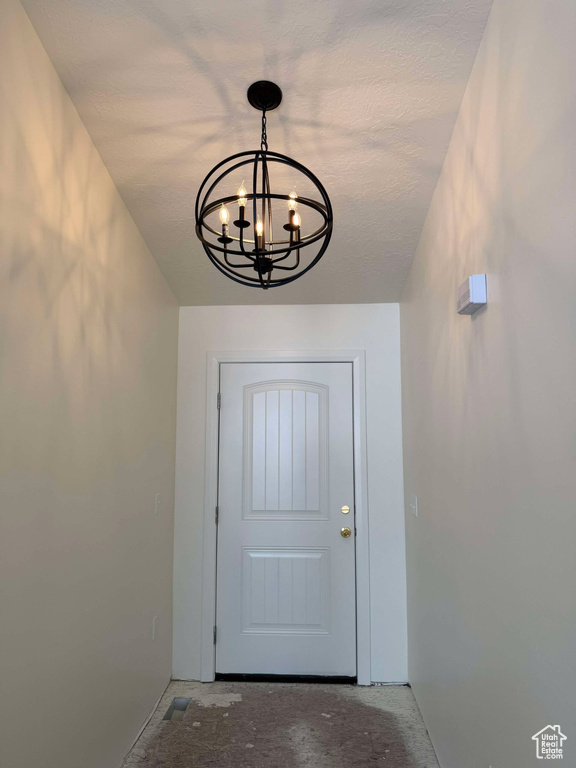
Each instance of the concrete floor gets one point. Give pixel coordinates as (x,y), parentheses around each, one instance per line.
(285,725)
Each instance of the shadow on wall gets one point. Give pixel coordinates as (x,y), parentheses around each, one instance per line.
(88,354)
(484,196)
(488,403)
(71,288)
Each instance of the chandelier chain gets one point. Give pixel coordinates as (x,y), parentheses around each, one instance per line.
(264,139)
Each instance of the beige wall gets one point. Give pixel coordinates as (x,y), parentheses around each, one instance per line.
(489,406)
(88,353)
(371,327)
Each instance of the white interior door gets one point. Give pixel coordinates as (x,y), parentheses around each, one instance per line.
(286,576)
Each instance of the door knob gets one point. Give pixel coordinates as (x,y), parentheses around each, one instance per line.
(345,532)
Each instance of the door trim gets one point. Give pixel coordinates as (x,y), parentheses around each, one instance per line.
(208,619)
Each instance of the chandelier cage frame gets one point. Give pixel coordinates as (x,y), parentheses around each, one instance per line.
(261,252)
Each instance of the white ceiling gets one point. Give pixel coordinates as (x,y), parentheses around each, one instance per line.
(371,93)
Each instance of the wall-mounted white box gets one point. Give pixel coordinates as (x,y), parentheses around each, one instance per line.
(471,295)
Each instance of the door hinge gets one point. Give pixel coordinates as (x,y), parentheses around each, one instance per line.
(218,400)
(214,635)
(217,514)
(355,531)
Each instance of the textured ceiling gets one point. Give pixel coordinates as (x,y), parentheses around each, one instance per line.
(371,94)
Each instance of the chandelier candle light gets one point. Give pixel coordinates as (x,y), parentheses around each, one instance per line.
(250,246)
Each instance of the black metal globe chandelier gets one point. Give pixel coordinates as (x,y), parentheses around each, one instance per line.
(250,252)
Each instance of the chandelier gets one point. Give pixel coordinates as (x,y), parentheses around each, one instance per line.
(278,235)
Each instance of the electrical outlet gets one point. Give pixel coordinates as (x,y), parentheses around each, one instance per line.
(154,626)
(156,503)
(414,504)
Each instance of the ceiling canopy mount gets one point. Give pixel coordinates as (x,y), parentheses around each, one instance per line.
(264,95)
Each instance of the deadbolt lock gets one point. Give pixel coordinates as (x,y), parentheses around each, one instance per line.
(345,510)
(345,532)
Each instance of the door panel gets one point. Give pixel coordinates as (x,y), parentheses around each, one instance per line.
(285,451)
(285,590)
(286,577)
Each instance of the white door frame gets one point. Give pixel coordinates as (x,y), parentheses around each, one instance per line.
(358,360)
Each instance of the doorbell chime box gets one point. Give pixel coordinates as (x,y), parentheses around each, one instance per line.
(471,295)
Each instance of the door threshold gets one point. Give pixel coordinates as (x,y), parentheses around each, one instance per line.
(231,677)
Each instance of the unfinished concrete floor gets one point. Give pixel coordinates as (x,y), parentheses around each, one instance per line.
(285,725)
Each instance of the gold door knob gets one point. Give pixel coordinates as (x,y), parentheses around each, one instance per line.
(345,532)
